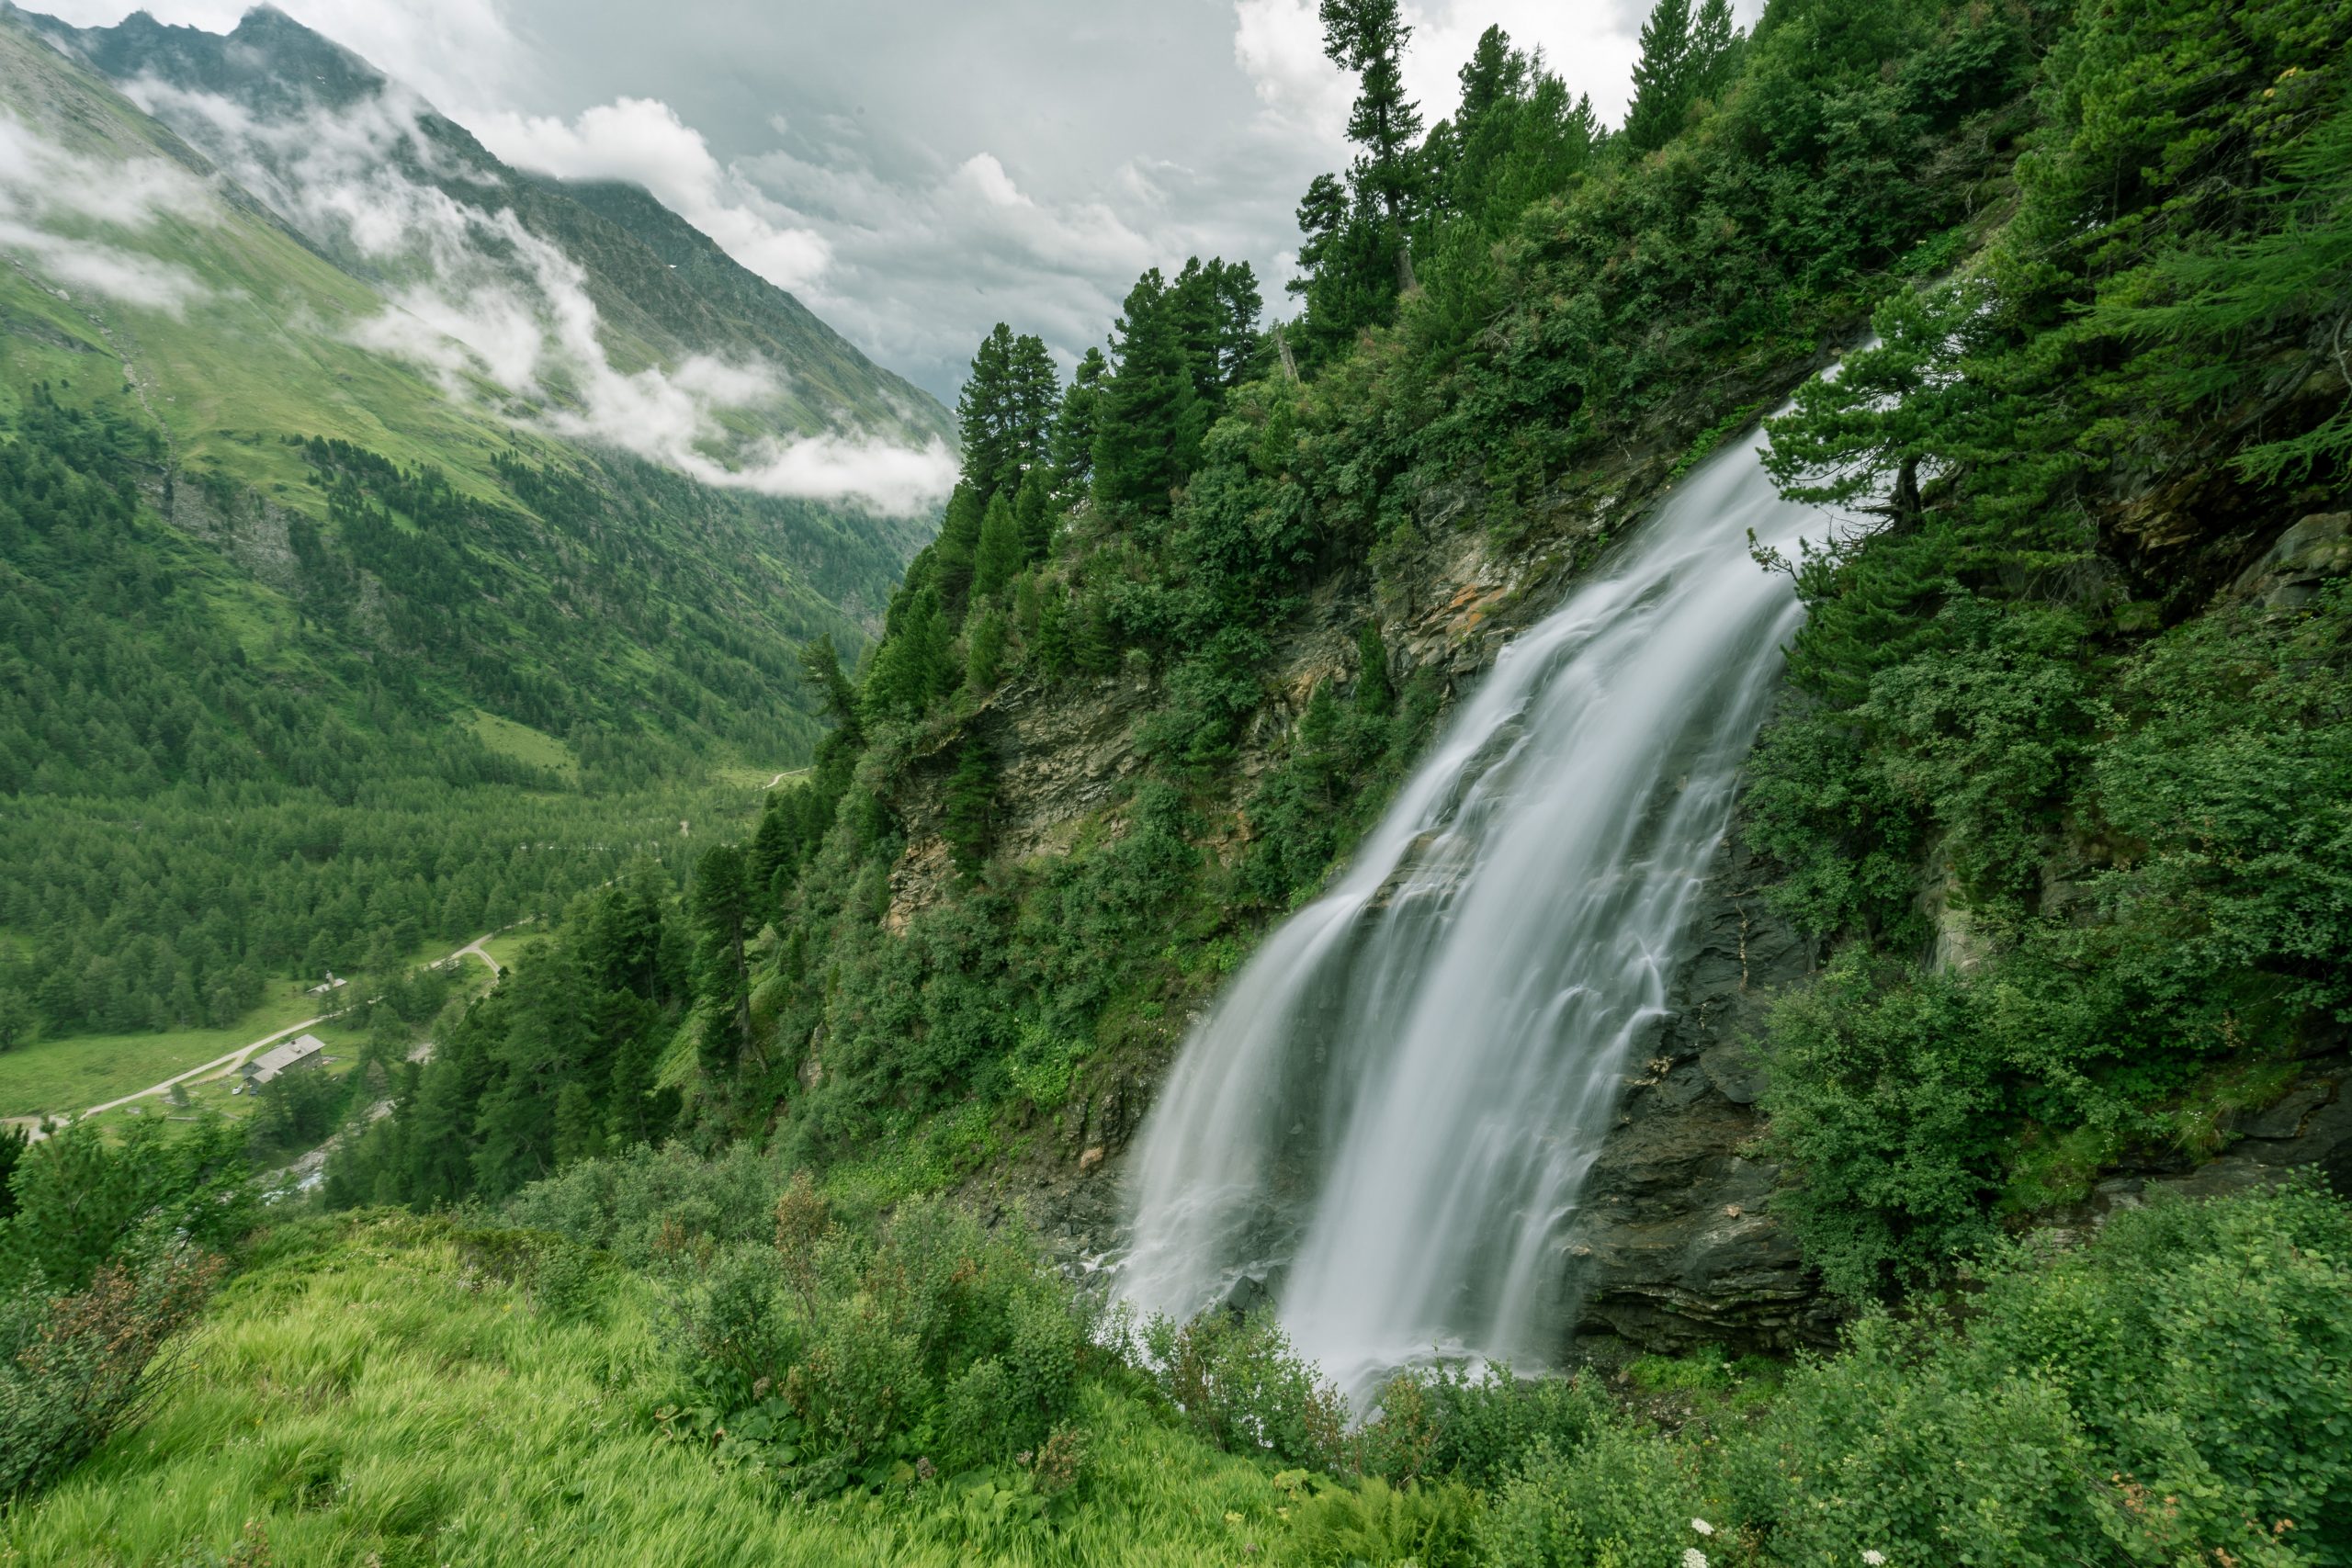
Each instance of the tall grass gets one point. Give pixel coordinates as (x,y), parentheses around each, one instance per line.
(378,1393)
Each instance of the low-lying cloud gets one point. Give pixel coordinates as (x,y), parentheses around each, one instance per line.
(644,142)
(61,214)
(502,317)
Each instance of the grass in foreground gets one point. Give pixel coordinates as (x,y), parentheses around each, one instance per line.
(371,1390)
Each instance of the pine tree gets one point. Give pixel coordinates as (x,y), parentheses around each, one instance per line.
(1376,694)
(1149,422)
(1033,514)
(1095,644)
(1035,400)
(1684,59)
(1054,654)
(1216,306)
(821,666)
(719,903)
(954,552)
(984,413)
(1714,50)
(1000,552)
(984,651)
(1005,413)
(1368,37)
(907,669)
(1347,267)
(18,1024)
(1075,430)
(1655,113)
(967,817)
(1026,607)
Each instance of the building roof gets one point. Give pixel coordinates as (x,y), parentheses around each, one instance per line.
(277,1058)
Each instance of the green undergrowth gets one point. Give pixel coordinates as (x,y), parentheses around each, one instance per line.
(662,1358)
(388,1388)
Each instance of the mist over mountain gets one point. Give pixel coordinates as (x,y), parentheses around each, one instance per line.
(595,314)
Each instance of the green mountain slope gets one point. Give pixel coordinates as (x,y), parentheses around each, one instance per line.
(665,291)
(313,654)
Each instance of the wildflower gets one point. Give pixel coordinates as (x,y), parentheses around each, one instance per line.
(1874,1559)
(1693,1558)
(1702,1527)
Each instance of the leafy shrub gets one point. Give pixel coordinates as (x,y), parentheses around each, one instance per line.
(1441,1422)
(568,1284)
(78,1200)
(836,1358)
(1619,1499)
(2180,1389)
(76,1367)
(2209,927)
(1240,1386)
(654,1208)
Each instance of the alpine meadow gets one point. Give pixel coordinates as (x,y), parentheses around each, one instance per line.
(1627,844)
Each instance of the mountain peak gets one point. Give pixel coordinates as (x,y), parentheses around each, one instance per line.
(269,60)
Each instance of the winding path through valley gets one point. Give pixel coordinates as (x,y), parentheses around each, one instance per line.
(224,1066)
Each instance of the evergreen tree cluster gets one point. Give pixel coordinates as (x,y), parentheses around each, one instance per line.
(2032,702)
(1190,489)
(562,1062)
(227,764)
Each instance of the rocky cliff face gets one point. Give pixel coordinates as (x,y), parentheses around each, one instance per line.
(1676,1240)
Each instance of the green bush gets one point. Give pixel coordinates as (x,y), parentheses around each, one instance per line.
(75,1366)
(1441,1422)
(1239,1385)
(78,1199)
(1373,1523)
(2180,1388)
(2207,928)
(659,1209)
(1621,1498)
(835,1356)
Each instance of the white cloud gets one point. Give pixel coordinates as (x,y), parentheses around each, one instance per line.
(61,210)
(1279,46)
(504,317)
(643,141)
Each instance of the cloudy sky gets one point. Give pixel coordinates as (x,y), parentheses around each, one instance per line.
(917,170)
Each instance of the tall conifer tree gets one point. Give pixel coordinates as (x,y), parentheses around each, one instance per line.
(1368,37)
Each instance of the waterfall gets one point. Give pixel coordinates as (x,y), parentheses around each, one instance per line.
(1390,1111)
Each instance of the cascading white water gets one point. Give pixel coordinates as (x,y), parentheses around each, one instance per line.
(1399,1095)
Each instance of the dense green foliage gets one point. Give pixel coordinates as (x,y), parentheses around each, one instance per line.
(560,1063)
(223,775)
(2090,886)
(106,1252)
(2069,828)
(679,1350)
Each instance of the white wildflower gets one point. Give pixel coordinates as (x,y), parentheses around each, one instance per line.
(1702,1527)
(1874,1559)
(1693,1558)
